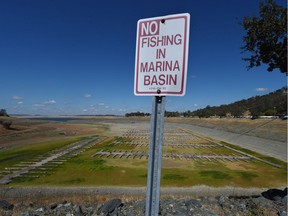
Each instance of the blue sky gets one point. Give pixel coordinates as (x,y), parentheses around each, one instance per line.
(67,57)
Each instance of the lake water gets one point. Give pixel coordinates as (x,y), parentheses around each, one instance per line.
(58,119)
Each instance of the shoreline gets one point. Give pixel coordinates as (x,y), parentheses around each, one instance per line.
(194,191)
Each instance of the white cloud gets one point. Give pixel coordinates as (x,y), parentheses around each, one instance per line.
(52,101)
(195,105)
(261,89)
(38,105)
(87,95)
(17,97)
(20,102)
(101,104)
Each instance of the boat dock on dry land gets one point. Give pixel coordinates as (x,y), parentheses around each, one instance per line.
(52,157)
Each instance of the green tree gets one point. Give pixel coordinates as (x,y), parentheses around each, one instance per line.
(3,112)
(274,103)
(270,112)
(266,37)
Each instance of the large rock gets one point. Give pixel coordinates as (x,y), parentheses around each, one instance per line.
(110,206)
(6,205)
(274,194)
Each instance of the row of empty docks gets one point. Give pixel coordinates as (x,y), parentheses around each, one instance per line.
(44,164)
(140,155)
(177,145)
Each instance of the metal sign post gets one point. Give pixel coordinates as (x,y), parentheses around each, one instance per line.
(155,156)
(161,62)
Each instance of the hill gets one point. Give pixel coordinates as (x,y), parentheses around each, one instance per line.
(272,104)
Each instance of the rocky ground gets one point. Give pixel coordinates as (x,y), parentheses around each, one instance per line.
(269,203)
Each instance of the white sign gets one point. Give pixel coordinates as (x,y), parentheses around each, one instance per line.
(162,55)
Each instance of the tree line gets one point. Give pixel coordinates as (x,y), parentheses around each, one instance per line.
(142,114)
(272,104)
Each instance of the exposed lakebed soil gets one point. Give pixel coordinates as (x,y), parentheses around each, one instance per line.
(131,201)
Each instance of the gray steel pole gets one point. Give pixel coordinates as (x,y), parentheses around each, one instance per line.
(155,156)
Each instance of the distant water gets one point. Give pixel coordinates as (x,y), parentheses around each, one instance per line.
(58,119)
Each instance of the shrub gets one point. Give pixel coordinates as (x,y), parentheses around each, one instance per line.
(7,124)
